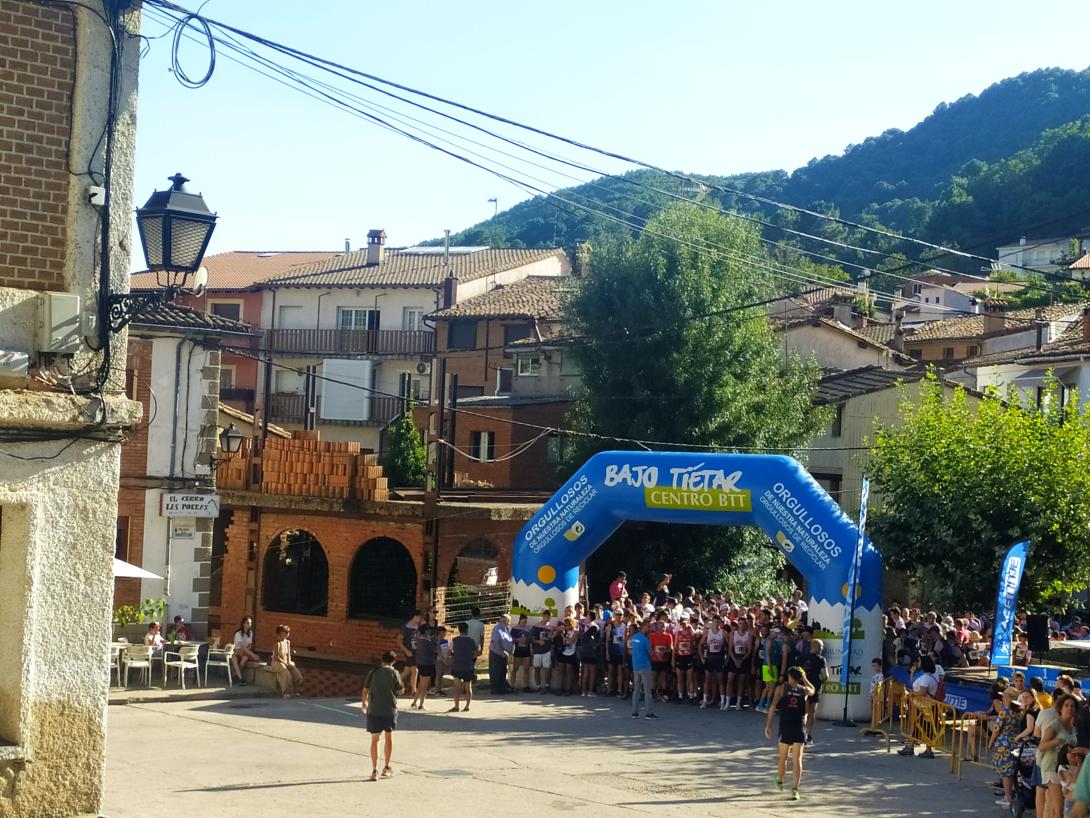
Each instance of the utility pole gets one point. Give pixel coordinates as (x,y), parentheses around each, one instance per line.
(495,202)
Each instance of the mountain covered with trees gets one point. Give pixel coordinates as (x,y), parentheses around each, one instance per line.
(976,173)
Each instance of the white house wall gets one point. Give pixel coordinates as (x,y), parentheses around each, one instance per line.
(391,302)
(832,349)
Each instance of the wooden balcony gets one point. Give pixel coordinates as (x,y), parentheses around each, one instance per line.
(350,341)
(291,408)
(243,396)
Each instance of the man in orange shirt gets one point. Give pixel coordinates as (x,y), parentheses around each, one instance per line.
(662,649)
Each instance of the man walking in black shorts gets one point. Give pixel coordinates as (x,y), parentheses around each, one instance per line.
(464,650)
(379,700)
(790,700)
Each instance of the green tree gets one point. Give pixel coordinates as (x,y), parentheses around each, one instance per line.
(960,483)
(405,459)
(673,353)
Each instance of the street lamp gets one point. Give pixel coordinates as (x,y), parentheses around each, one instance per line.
(230,442)
(175,227)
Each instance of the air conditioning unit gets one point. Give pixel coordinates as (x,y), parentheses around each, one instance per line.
(423,368)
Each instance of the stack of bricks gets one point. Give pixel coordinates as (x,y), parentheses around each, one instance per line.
(305,466)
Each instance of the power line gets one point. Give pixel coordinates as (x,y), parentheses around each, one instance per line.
(354,75)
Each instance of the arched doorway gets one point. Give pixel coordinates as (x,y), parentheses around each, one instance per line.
(477,563)
(382,581)
(295,575)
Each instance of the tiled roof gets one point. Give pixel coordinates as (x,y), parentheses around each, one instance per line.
(246,417)
(1081,263)
(879,333)
(405,268)
(167,316)
(552,333)
(972,326)
(240,270)
(852,383)
(532,297)
(857,334)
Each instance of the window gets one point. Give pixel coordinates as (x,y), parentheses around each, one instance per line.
(482,446)
(462,335)
(382,581)
(296,575)
(916,353)
(353,318)
(289,316)
(529,365)
(227,309)
(227,377)
(569,365)
(504,377)
(409,386)
(121,540)
(947,352)
(286,381)
(917,289)
(515,332)
(974,350)
(938,299)
(412,320)
(838,421)
(555,448)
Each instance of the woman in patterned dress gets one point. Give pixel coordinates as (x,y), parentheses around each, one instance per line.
(1008,725)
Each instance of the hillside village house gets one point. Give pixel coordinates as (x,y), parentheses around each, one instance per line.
(1048,255)
(232,292)
(174,371)
(1066,359)
(936,296)
(348,336)
(996,329)
(515,375)
(60,434)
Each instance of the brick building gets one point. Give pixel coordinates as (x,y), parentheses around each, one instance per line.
(346,574)
(62,407)
(510,377)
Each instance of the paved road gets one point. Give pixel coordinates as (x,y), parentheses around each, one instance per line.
(528,756)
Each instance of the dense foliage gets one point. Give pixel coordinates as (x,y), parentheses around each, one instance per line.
(962,481)
(404,460)
(974,174)
(673,354)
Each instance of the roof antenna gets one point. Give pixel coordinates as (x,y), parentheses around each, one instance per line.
(446,248)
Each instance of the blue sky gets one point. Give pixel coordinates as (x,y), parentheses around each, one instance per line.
(711,87)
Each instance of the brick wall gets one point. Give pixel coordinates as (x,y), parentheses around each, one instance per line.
(37,69)
(340,537)
(134,464)
(530,469)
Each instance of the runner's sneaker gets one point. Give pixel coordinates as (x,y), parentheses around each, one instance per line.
(779,784)
(795,794)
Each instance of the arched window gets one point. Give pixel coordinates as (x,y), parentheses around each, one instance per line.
(382,582)
(476,564)
(296,575)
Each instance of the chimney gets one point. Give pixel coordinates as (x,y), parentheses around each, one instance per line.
(995,315)
(347,246)
(842,309)
(1086,324)
(1022,241)
(376,247)
(898,341)
(450,290)
(1040,323)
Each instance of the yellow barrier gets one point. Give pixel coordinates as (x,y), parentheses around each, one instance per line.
(973,743)
(885,704)
(931,723)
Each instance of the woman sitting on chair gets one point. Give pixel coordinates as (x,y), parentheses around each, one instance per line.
(244,647)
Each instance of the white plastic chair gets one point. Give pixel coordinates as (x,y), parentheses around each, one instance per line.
(139,657)
(187,660)
(220,657)
(115,662)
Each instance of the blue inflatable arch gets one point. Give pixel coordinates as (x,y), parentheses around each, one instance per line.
(773,492)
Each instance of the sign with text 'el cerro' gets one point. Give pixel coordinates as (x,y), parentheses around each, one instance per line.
(180,504)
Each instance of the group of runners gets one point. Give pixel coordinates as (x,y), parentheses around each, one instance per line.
(706,651)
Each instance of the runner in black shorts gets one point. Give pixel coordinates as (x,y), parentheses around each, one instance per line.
(790,700)
(741,644)
(713,647)
(816,673)
(684,647)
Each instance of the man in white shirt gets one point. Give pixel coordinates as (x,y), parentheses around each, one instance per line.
(925,684)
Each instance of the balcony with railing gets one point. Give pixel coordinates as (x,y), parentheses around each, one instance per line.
(351,341)
(291,408)
(241,398)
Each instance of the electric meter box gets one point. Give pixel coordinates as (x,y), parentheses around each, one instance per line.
(58,323)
